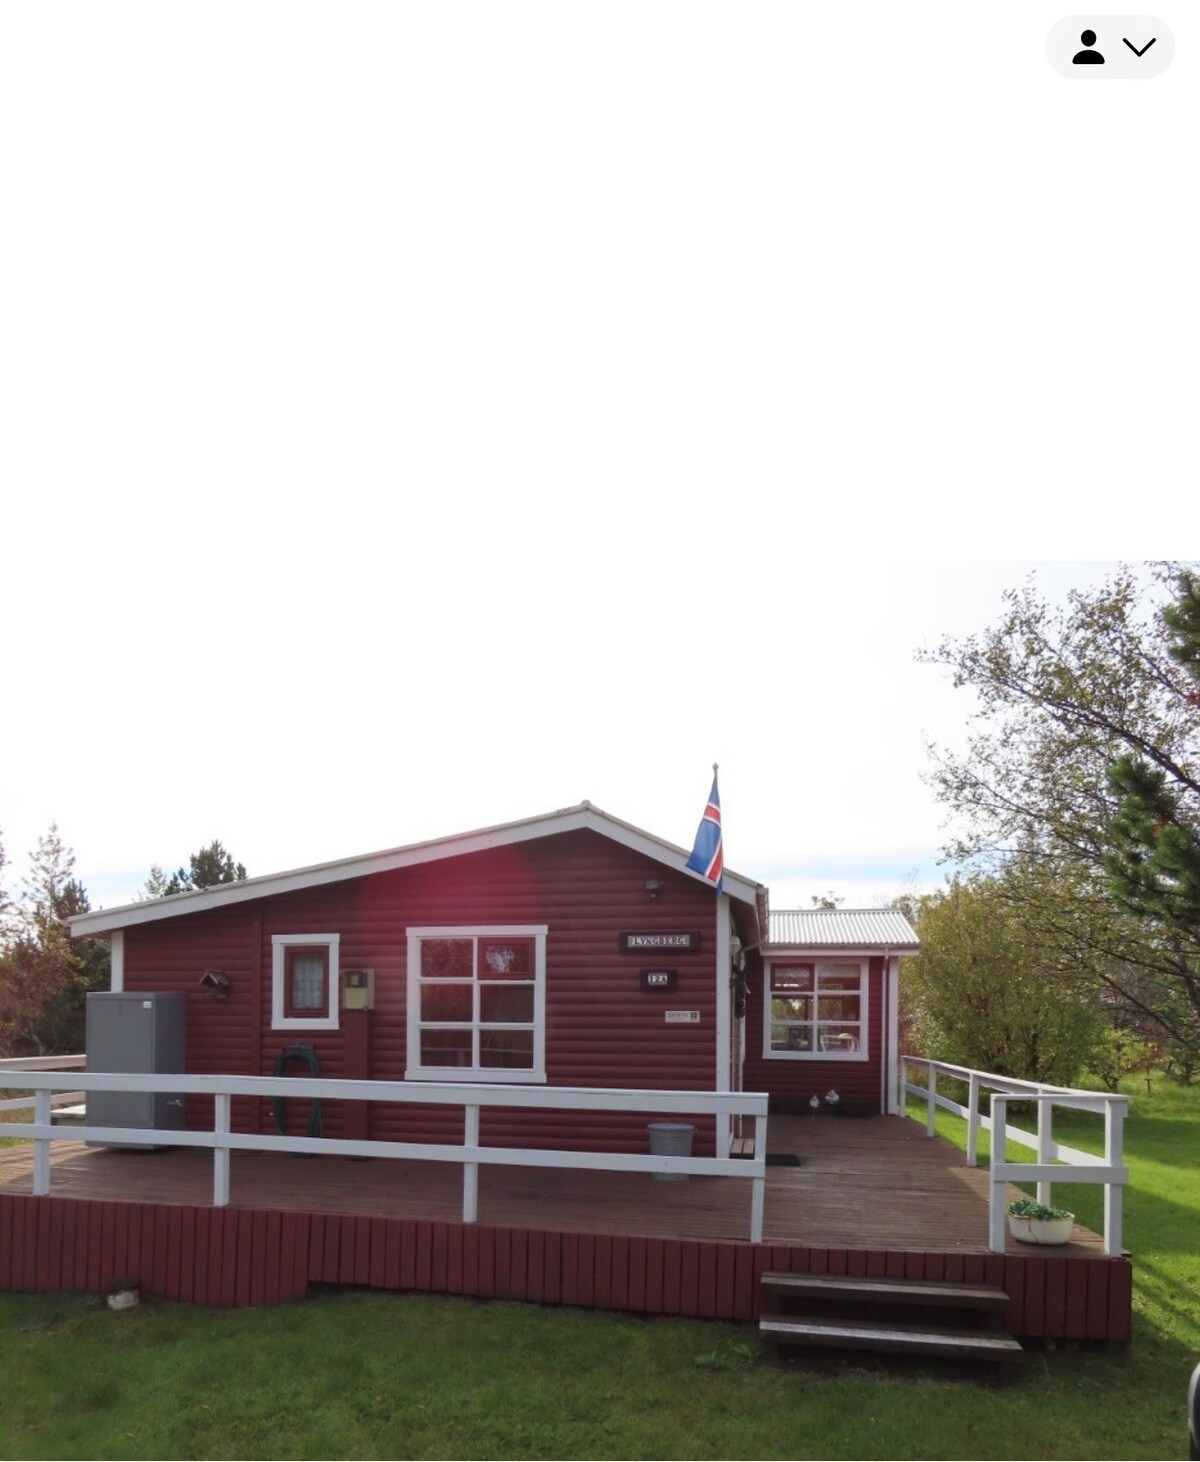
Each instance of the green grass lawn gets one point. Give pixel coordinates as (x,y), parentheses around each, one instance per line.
(372,1375)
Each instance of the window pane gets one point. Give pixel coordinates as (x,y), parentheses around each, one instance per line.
(794,1008)
(506,1002)
(839,1038)
(792,977)
(446,1002)
(308,980)
(838,977)
(446,957)
(838,1007)
(506,1048)
(505,958)
(445,1048)
(791,1038)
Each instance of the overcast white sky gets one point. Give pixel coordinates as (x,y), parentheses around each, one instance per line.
(417,417)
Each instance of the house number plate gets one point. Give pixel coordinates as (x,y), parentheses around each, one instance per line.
(681,1017)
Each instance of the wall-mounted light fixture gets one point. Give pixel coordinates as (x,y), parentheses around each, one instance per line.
(217,984)
(654,887)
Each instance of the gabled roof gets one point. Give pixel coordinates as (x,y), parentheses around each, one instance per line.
(568,819)
(883,929)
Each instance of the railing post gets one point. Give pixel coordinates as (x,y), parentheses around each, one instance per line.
(973,1120)
(470,1169)
(997,1217)
(931,1098)
(758,1195)
(1114,1124)
(222,1107)
(41,1145)
(1045,1111)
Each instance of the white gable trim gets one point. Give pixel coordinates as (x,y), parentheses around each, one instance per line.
(106,921)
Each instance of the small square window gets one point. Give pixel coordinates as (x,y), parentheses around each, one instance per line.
(304,981)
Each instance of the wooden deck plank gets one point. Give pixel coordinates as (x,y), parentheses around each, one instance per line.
(864,1184)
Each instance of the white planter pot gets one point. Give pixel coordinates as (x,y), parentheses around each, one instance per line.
(1021,1228)
(1041,1230)
(1052,1230)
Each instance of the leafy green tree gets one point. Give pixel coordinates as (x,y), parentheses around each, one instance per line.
(210,866)
(44,973)
(1066,697)
(979,995)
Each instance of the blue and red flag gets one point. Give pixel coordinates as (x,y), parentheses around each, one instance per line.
(707,855)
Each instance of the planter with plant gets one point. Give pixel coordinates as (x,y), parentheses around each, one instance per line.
(1031,1222)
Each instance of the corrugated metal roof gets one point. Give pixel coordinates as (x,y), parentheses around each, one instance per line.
(845,928)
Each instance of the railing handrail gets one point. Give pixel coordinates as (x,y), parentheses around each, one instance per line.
(1014,1085)
(1084,1167)
(43,1063)
(471,1096)
(483,1094)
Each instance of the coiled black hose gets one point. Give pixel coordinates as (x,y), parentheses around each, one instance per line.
(308,1056)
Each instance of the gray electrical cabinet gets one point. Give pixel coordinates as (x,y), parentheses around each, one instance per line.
(140,1031)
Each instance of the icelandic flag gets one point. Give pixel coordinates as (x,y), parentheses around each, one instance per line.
(707,856)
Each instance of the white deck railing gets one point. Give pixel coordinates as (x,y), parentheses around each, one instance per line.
(469,1096)
(1056,1162)
(41,1063)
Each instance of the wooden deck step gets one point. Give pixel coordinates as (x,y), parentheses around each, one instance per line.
(900,1339)
(741,1147)
(884,1291)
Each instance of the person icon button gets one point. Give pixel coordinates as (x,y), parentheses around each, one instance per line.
(1088,57)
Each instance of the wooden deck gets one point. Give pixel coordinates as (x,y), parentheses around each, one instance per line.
(871,1198)
(862,1183)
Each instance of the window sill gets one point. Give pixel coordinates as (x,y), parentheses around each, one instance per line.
(815,1055)
(302,1023)
(454,1075)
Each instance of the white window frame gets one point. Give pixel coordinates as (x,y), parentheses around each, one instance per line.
(491,1075)
(864,989)
(280,943)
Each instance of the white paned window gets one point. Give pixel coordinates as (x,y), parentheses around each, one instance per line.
(477,1003)
(816,1010)
(304,981)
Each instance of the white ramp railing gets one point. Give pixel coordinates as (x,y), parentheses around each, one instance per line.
(41,1063)
(1056,1162)
(469,1152)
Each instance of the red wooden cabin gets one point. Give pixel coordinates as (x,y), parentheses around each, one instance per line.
(570,949)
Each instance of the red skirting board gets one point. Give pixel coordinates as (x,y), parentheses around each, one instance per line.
(250,1257)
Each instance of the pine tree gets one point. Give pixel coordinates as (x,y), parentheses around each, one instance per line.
(210,866)
(1153,861)
(45,973)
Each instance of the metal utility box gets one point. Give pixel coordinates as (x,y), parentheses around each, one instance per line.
(143,1032)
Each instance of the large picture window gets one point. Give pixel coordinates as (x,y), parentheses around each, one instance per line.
(476,1003)
(816,1010)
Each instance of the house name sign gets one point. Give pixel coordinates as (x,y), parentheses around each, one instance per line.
(687,942)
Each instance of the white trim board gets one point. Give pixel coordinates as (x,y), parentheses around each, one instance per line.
(570,819)
(279,947)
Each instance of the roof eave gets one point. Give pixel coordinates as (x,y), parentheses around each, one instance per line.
(569,819)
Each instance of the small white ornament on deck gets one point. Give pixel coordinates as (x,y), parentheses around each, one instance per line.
(831,1098)
(814,1104)
(123,1295)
